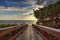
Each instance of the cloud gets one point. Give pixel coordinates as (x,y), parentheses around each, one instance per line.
(21,9)
(11,9)
(14,3)
(42,2)
(16,17)
(20,5)
(46,2)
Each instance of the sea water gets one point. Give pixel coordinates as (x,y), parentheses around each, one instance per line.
(17,21)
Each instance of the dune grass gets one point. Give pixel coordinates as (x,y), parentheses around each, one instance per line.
(6,25)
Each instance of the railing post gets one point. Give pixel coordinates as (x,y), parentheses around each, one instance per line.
(41,33)
(47,32)
(11,32)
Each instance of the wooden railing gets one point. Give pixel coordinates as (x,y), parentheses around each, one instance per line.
(47,33)
(10,33)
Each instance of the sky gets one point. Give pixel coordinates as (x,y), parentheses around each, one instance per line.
(21,9)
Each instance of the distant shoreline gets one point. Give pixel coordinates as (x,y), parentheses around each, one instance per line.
(17,21)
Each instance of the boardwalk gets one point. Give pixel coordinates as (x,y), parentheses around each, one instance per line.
(29,34)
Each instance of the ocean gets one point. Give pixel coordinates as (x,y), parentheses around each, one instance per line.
(17,21)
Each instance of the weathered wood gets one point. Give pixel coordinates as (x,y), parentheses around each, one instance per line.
(52,31)
(5,31)
(40,33)
(14,37)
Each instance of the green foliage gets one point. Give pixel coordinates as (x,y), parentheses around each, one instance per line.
(52,11)
(6,25)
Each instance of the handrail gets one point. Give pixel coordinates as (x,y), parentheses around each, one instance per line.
(52,31)
(12,38)
(40,32)
(11,27)
(7,27)
(15,30)
(5,31)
